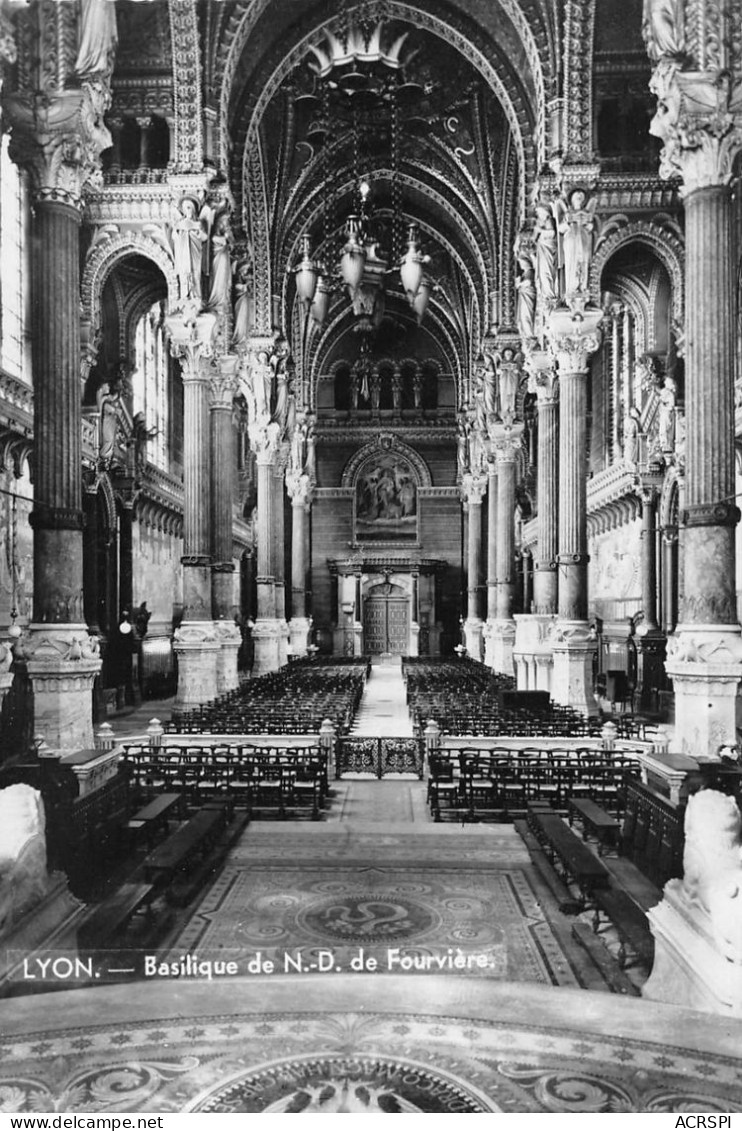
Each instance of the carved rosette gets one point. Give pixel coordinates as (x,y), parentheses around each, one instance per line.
(59,140)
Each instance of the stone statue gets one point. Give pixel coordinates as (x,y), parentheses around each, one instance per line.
(575,219)
(545,235)
(189,236)
(310,463)
(109,404)
(712,865)
(23,875)
(244,306)
(462,445)
(666,416)
(662,28)
(262,383)
(280,361)
(508,373)
(141,435)
(141,618)
(221,265)
(631,430)
(97,38)
(489,377)
(525,287)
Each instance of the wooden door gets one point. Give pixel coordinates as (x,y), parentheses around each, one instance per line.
(386,625)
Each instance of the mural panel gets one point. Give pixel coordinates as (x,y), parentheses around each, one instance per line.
(386,500)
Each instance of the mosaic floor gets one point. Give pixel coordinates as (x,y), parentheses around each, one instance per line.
(361,1043)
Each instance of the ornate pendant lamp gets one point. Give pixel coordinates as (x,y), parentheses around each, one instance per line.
(306,273)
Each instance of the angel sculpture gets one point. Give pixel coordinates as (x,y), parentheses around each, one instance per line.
(545,236)
(189,236)
(525,287)
(575,221)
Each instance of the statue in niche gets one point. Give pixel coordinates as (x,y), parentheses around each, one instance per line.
(310,462)
(141,435)
(262,383)
(189,237)
(375,391)
(631,432)
(662,28)
(525,288)
(417,388)
(280,362)
(97,38)
(489,378)
(244,305)
(509,373)
(221,265)
(666,416)
(462,445)
(545,235)
(575,221)
(109,407)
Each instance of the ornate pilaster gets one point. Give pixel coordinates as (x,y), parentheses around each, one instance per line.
(573,337)
(472,489)
(223,385)
(698,83)
(195,641)
(58,136)
(299,488)
(492,497)
(650,640)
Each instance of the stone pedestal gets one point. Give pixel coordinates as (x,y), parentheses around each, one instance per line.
(689,969)
(300,633)
(48,927)
(532,651)
(502,641)
(414,642)
(229,639)
(473,628)
(572,674)
(704,663)
(270,637)
(62,662)
(197,648)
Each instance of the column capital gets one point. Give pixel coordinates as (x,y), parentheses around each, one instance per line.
(542,377)
(573,337)
(473,488)
(299,488)
(699,120)
(191,335)
(264,441)
(59,139)
(506,441)
(224,382)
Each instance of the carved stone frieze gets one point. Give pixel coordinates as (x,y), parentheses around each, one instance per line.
(186,84)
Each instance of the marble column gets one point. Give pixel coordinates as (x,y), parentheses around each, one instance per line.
(278,550)
(414,642)
(473,488)
(544,383)
(699,119)
(650,640)
(222,388)
(60,147)
(268,632)
(506,442)
(573,338)
(194,641)
(491,562)
(299,488)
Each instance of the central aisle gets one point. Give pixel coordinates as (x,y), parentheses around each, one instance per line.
(383,709)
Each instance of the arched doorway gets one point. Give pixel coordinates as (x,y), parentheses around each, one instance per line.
(386,620)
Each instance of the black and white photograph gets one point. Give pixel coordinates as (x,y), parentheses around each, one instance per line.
(370,559)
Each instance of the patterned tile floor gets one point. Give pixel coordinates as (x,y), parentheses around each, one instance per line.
(351,1043)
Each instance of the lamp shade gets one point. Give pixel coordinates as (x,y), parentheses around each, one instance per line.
(422,298)
(411,267)
(353,259)
(306,273)
(321,302)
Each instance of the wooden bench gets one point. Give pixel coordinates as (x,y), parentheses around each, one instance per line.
(595,821)
(155,816)
(111,917)
(630,923)
(193,839)
(577,861)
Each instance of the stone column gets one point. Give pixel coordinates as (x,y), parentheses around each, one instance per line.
(473,488)
(58,138)
(264,438)
(506,440)
(573,338)
(278,552)
(650,640)
(491,561)
(222,388)
(194,642)
(544,383)
(299,488)
(699,119)
(414,643)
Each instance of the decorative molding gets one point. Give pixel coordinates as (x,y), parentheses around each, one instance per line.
(382,444)
(186,40)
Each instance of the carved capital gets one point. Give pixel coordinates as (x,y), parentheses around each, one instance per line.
(542,377)
(299,487)
(699,120)
(473,488)
(59,139)
(224,383)
(60,647)
(506,441)
(264,440)
(573,337)
(191,336)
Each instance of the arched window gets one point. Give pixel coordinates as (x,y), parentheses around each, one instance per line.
(150,381)
(12,255)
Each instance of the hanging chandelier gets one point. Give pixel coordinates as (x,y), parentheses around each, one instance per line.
(361,75)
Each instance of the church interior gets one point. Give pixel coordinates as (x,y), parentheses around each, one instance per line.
(370,566)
